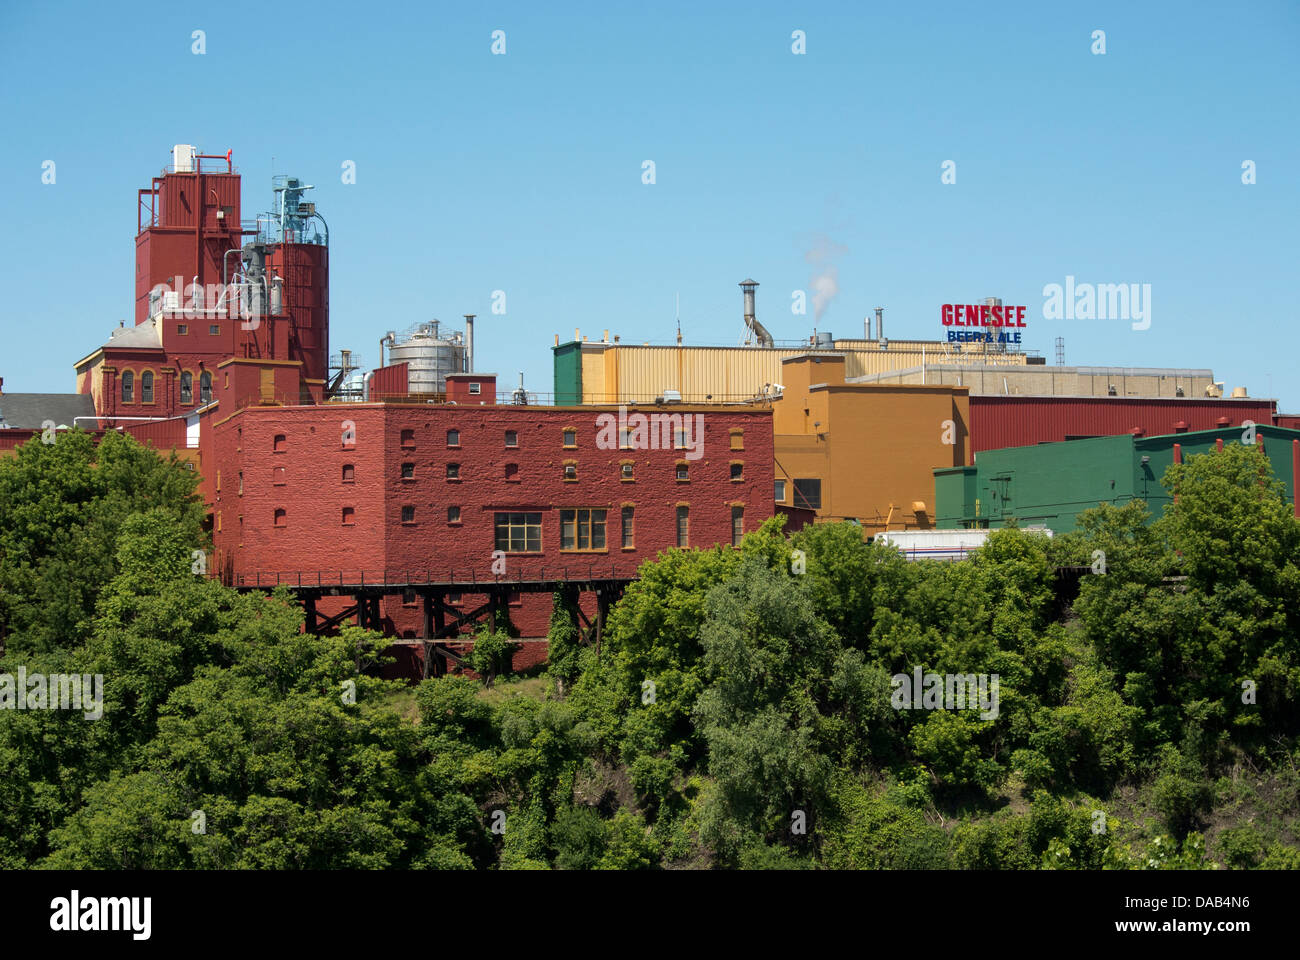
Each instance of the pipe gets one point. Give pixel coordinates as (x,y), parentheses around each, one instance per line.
(469,343)
(365,388)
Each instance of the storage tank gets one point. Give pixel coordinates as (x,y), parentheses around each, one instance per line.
(429,356)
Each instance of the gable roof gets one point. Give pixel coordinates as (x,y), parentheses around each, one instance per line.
(27,411)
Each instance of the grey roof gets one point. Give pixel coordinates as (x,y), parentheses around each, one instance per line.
(28,410)
(147,334)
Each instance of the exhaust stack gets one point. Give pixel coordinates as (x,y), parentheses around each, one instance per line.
(469,343)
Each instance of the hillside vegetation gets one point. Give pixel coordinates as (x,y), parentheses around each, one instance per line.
(741,711)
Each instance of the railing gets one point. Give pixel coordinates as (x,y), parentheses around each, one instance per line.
(468,580)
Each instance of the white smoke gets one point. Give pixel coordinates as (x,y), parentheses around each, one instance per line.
(825,281)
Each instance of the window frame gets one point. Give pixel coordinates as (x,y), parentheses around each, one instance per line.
(511,525)
(574,516)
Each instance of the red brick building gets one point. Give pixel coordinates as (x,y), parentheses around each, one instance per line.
(450,491)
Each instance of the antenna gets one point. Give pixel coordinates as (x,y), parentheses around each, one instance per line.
(677,297)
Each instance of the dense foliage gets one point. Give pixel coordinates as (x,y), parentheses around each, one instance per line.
(737,714)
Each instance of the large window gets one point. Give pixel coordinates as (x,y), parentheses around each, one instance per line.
(519,532)
(779,491)
(205,387)
(808,494)
(683,526)
(146,387)
(128,386)
(582,529)
(737,525)
(187,388)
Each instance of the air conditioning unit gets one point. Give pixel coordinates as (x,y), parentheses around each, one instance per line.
(171,300)
(306,209)
(671,396)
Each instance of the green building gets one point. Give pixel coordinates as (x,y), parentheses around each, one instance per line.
(1052,483)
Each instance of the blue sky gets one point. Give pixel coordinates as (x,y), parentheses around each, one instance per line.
(523,172)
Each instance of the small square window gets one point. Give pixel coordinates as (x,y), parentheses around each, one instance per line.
(453,471)
(453,514)
(570,438)
(349,473)
(453,438)
(476,388)
(512,438)
(408,439)
(214,329)
(626,472)
(280,519)
(780,491)
(182,329)
(570,472)
(453,599)
(737,471)
(277,476)
(738,439)
(408,514)
(279,444)
(408,597)
(683,472)
(349,516)
(512,471)
(408,471)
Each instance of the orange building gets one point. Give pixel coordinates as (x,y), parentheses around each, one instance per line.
(864,452)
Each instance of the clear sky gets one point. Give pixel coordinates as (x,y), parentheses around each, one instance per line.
(523,172)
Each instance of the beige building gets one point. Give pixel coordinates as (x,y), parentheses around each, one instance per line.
(984,379)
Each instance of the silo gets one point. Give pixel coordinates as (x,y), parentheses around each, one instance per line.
(429,356)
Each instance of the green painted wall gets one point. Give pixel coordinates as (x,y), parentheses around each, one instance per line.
(568,374)
(1052,483)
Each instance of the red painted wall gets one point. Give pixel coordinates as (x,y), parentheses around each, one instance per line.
(305,478)
(1018,421)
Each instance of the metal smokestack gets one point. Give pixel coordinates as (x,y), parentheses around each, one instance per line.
(761,336)
(866,326)
(880,324)
(469,343)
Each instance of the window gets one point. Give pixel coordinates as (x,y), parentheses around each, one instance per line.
(624,439)
(453,471)
(408,471)
(519,532)
(182,329)
(280,519)
(737,525)
(241,483)
(625,472)
(737,471)
(349,473)
(128,387)
(205,387)
(408,597)
(570,437)
(512,438)
(582,529)
(187,388)
(570,471)
(683,470)
(808,494)
(279,444)
(408,514)
(453,599)
(476,388)
(349,516)
(737,438)
(453,514)
(512,472)
(214,329)
(679,436)
(408,439)
(628,532)
(779,491)
(277,476)
(683,526)
(453,438)
(146,387)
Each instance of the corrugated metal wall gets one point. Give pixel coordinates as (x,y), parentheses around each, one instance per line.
(1001,421)
(624,373)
